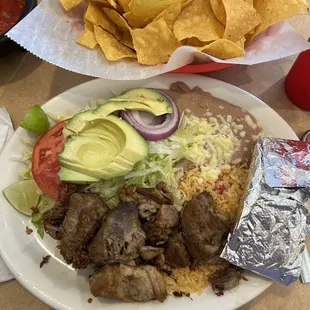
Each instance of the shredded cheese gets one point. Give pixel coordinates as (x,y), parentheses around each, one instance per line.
(215,144)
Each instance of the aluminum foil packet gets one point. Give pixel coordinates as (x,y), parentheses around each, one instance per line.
(269,237)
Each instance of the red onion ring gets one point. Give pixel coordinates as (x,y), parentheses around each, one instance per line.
(159,127)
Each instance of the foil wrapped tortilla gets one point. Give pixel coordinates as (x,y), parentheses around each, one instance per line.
(269,237)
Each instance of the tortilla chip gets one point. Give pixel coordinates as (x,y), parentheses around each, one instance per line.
(124,4)
(241,18)
(144,11)
(275,11)
(96,16)
(170,14)
(194,42)
(198,20)
(223,49)
(116,18)
(124,29)
(185,3)
(155,43)
(112,49)
(126,39)
(219,10)
(241,42)
(112,3)
(87,36)
(69,4)
(107,4)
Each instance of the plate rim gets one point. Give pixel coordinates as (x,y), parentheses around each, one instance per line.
(52,302)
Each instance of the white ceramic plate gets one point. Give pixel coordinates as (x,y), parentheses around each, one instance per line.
(57,284)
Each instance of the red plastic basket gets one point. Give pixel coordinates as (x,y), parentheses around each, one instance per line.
(203,68)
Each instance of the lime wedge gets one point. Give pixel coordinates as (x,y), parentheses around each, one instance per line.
(36,120)
(23,195)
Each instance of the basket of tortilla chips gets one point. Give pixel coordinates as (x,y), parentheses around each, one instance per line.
(161,35)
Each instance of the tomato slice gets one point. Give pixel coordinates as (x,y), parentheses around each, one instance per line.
(45,165)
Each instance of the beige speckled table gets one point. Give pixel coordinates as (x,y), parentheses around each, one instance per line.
(25,80)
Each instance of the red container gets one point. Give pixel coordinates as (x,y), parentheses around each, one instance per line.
(297,82)
(202,68)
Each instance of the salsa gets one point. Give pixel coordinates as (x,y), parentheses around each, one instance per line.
(10,12)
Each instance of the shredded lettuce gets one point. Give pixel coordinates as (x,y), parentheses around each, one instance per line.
(27,154)
(37,223)
(29,143)
(26,174)
(44,204)
(108,190)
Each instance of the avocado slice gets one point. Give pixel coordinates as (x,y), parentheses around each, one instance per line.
(79,121)
(142,99)
(103,130)
(117,170)
(107,148)
(71,176)
(149,100)
(67,132)
(147,96)
(124,162)
(90,152)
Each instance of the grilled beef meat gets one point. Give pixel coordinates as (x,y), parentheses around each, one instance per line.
(156,211)
(157,232)
(160,262)
(83,219)
(167,216)
(160,218)
(120,237)
(176,255)
(137,194)
(130,194)
(127,283)
(204,231)
(53,218)
(148,210)
(150,252)
(65,190)
(160,194)
(225,279)
(90,232)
